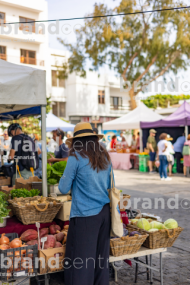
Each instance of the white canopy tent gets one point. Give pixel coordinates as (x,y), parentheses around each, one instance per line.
(53,123)
(23,93)
(132,120)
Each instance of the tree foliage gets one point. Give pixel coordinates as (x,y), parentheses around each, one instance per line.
(140,47)
(160,100)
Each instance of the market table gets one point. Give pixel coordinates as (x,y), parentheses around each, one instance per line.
(142,252)
(120,160)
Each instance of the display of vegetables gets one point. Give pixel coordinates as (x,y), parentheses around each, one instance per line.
(24,193)
(56,237)
(55,172)
(155,226)
(4,212)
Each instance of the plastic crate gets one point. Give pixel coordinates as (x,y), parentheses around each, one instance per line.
(143,168)
(12,263)
(11,236)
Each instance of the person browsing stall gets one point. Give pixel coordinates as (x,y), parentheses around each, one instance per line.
(15,131)
(5,146)
(152,147)
(62,153)
(178,148)
(87,174)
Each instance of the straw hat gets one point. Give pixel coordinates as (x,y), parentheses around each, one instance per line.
(169,138)
(83,130)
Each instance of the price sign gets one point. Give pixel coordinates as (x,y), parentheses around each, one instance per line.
(43,240)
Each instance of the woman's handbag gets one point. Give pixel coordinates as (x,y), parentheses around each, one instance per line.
(116,221)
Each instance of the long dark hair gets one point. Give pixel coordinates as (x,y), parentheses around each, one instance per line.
(89,147)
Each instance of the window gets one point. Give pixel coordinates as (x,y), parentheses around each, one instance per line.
(101,96)
(3,53)
(28,27)
(56,82)
(58,109)
(27,56)
(116,102)
(2,18)
(54,78)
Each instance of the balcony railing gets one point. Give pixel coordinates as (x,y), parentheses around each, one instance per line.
(3,56)
(33,61)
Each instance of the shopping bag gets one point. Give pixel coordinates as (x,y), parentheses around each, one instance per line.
(116,221)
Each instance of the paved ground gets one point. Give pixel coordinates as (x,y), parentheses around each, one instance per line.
(176,262)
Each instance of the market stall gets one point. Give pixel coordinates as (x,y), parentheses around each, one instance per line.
(175,124)
(53,123)
(130,121)
(23,93)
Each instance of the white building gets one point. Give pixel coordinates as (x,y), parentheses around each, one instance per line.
(94,98)
(26,43)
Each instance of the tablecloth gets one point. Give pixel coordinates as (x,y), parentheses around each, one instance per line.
(15,226)
(120,160)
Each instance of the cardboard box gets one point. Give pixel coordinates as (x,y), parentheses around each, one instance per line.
(5,181)
(6,189)
(64,212)
(29,184)
(50,262)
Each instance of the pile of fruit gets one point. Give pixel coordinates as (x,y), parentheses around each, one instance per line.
(56,237)
(154,226)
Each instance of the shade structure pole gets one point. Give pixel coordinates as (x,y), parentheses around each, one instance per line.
(44,152)
(186,132)
(141,142)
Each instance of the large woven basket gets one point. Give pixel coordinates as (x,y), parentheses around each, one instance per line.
(30,214)
(127,245)
(161,238)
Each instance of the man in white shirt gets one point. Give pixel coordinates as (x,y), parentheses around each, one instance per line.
(5,146)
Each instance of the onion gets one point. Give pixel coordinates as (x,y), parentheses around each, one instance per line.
(23,251)
(4,239)
(16,243)
(4,247)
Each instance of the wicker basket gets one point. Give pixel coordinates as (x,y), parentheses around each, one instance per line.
(30,214)
(127,245)
(161,238)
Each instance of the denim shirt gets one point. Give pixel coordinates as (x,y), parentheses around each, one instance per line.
(89,188)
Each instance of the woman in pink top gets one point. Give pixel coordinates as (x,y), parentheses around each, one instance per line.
(186,159)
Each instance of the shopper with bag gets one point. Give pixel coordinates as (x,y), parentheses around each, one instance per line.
(87,174)
(170,154)
(163,153)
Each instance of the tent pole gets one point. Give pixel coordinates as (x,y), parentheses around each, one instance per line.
(141,142)
(44,153)
(186,132)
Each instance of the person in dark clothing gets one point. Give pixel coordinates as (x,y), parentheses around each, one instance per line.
(62,153)
(15,131)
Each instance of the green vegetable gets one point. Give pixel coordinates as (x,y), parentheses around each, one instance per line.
(60,166)
(4,212)
(55,172)
(171,224)
(156,225)
(50,154)
(52,181)
(143,224)
(24,193)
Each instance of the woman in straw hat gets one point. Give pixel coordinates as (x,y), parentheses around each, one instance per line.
(87,174)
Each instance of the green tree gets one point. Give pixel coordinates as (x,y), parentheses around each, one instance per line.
(162,100)
(140,48)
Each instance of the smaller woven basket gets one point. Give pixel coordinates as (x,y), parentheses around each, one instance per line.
(30,214)
(127,245)
(162,238)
